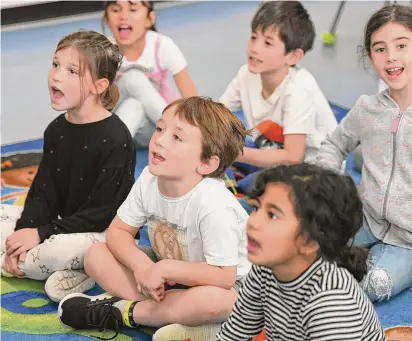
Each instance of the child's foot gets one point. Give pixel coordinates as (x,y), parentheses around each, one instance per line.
(66,282)
(80,311)
(179,332)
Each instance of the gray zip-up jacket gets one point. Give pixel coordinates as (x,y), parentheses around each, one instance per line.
(385,134)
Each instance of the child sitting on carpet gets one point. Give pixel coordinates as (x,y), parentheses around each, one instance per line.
(302,283)
(86,172)
(382,125)
(280,99)
(148,59)
(197,230)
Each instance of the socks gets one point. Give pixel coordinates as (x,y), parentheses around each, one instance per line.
(126,308)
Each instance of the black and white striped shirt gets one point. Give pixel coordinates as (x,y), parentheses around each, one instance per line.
(324,303)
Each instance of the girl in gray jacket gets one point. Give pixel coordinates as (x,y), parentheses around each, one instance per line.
(382,125)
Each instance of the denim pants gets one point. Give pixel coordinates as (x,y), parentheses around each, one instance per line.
(389,266)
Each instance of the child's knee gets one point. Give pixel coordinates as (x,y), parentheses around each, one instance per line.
(95,256)
(378,284)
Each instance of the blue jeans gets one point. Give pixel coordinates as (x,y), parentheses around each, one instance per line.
(389,266)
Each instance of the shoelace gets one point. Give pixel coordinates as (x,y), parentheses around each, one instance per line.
(108,316)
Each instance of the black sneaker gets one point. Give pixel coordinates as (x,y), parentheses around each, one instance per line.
(80,311)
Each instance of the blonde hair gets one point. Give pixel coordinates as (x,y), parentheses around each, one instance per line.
(100,57)
(223,133)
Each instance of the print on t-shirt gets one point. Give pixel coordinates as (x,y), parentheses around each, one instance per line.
(269,135)
(169,241)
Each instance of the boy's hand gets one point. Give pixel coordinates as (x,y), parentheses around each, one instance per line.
(11,265)
(21,241)
(151,283)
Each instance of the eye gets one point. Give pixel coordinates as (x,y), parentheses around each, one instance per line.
(177,138)
(159,130)
(272,216)
(73,71)
(253,37)
(268,43)
(55,65)
(380,49)
(402,46)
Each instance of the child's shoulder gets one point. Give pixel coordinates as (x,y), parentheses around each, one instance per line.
(211,195)
(153,36)
(375,102)
(300,80)
(332,278)
(112,131)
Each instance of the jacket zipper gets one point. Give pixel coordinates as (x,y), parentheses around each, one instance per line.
(394,131)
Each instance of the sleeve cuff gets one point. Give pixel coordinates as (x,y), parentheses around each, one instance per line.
(46,231)
(221,261)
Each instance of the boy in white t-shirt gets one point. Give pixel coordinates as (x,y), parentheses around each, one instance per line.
(195,225)
(280,100)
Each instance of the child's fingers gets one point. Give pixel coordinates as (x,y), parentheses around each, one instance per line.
(12,247)
(22,256)
(14,267)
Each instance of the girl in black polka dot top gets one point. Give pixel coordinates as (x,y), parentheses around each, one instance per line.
(86,172)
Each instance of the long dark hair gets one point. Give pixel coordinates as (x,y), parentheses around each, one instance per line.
(148,4)
(329,210)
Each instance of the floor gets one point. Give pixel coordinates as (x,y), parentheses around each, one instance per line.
(213,36)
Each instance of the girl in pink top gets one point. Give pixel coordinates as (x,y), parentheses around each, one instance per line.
(148,59)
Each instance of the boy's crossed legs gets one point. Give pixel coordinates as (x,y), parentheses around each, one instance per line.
(191,306)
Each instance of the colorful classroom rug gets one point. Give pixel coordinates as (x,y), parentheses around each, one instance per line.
(28,315)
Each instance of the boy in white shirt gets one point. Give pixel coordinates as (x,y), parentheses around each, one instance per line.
(195,225)
(280,100)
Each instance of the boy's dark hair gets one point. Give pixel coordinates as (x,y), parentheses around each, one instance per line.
(290,18)
(20,160)
(223,133)
(329,210)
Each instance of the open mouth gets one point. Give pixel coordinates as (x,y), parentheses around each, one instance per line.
(157,157)
(124,31)
(252,244)
(57,93)
(255,60)
(394,72)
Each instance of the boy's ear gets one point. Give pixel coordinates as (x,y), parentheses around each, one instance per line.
(207,167)
(293,57)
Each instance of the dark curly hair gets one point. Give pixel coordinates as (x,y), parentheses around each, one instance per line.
(329,210)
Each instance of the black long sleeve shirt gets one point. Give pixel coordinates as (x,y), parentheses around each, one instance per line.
(86,173)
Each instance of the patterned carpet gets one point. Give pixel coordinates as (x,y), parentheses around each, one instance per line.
(28,315)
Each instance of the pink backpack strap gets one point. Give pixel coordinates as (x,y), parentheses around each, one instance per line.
(157,58)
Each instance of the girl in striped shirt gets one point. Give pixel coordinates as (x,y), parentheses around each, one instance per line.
(303,283)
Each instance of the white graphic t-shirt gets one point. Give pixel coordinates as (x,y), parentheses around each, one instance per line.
(205,225)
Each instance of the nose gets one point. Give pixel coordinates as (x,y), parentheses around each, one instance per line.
(253,221)
(56,74)
(123,15)
(160,139)
(391,55)
(252,47)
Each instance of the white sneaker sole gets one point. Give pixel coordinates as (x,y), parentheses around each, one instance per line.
(66,282)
